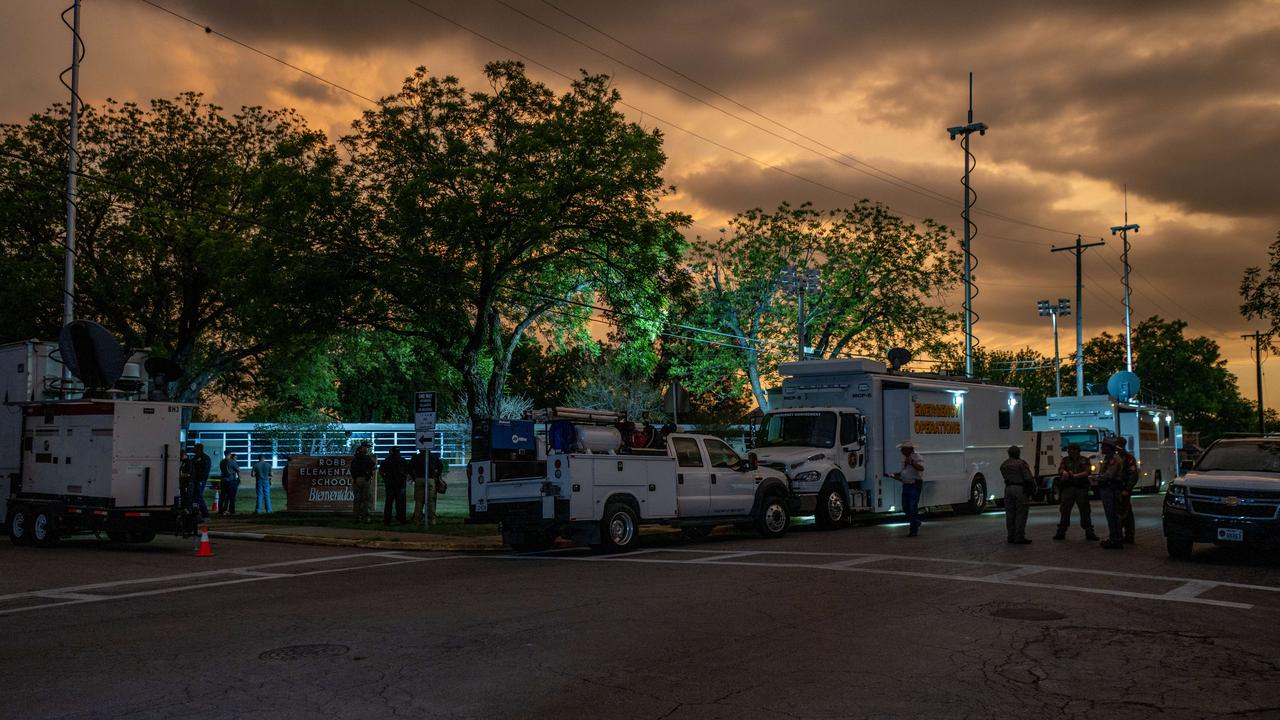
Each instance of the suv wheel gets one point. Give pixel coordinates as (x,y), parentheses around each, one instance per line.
(1180,548)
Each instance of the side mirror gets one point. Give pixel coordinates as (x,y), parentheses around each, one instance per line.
(752,461)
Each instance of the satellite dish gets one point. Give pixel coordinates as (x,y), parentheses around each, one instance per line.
(1123,385)
(898,357)
(92,354)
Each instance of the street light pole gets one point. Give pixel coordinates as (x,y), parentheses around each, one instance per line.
(1078,250)
(1053,311)
(800,280)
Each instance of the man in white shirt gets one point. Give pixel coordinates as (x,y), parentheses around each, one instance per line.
(912,478)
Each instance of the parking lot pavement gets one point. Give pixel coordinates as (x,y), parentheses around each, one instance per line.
(860,622)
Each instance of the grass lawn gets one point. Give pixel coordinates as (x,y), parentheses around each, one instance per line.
(451,510)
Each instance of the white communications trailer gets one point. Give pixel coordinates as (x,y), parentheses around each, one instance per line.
(834,427)
(1149,432)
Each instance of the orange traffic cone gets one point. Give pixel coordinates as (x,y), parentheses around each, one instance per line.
(204,550)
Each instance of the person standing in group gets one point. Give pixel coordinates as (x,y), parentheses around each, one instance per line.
(201,464)
(912,478)
(1110,485)
(362,469)
(394,470)
(1130,480)
(262,483)
(1073,491)
(1019,487)
(230,483)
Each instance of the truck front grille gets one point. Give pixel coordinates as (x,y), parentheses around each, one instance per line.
(1206,506)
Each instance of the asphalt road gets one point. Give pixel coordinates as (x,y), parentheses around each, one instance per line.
(860,622)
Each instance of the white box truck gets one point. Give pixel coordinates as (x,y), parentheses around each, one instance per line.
(85,465)
(834,427)
(594,490)
(1149,431)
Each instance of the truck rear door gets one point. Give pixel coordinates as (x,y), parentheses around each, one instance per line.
(693,479)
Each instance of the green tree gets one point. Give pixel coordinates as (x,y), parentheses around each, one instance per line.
(1260,293)
(1026,369)
(495,211)
(204,236)
(881,282)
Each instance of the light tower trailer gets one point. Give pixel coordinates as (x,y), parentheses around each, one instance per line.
(1149,431)
(835,425)
(100,465)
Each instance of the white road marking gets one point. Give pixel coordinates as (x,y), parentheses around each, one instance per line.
(235,576)
(1189,590)
(1016,573)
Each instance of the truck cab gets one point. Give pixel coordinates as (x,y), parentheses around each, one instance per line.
(822,450)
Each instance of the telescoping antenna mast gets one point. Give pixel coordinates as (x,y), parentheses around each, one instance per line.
(73,163)
(970,230)
(1124,237)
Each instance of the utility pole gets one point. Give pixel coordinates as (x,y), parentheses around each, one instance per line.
(73,166)
(1053,311)
(798,281)
(1124,235)
(964,131)
(1257,359)
(1078,249)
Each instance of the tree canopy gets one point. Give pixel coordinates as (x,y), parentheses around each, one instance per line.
(203,236)
(881,278)
(508,211)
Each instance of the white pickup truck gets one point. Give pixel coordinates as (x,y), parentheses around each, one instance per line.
(601,499)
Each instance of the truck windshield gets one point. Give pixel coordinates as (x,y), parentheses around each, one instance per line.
(1242,456)
(1086,439)
(806,429)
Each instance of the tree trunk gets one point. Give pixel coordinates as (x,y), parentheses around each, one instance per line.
(753,374)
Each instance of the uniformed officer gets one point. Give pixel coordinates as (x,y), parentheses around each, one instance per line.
(1110,485)
(1073,491)
(362,469)
(1130,477)
(1019,486)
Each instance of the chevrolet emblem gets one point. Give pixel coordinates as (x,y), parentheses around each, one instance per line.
(1231,500)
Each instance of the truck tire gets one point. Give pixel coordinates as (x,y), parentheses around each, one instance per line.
(1180,548)
(832,511)
(619,528)
(44,528)
(1159,480)
(977,498)
(19,526)
(142,536)
(116,536)
(773,520)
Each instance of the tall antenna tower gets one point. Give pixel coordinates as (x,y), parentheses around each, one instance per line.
(970,229)
(1124,236)
(73,163)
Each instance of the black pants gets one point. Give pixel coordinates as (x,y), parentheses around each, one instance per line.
(229,488)
(1077,497)
(396,499)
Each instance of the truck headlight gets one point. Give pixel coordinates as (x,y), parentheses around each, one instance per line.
(1176,497)
(806,476)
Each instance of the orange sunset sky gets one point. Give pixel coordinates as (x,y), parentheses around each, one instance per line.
(1178,100)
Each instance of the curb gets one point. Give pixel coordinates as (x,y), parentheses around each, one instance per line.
(438,546)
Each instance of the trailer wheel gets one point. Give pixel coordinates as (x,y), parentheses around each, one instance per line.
(831,511)
(19,527)
(977,498)
(44,529)
(773,520)
(619,529)
(1159,477)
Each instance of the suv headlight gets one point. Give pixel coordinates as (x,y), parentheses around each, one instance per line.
(806,476)
(1176,497)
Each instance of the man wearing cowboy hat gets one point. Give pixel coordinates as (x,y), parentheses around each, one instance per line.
(912,478)
(1110,487)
